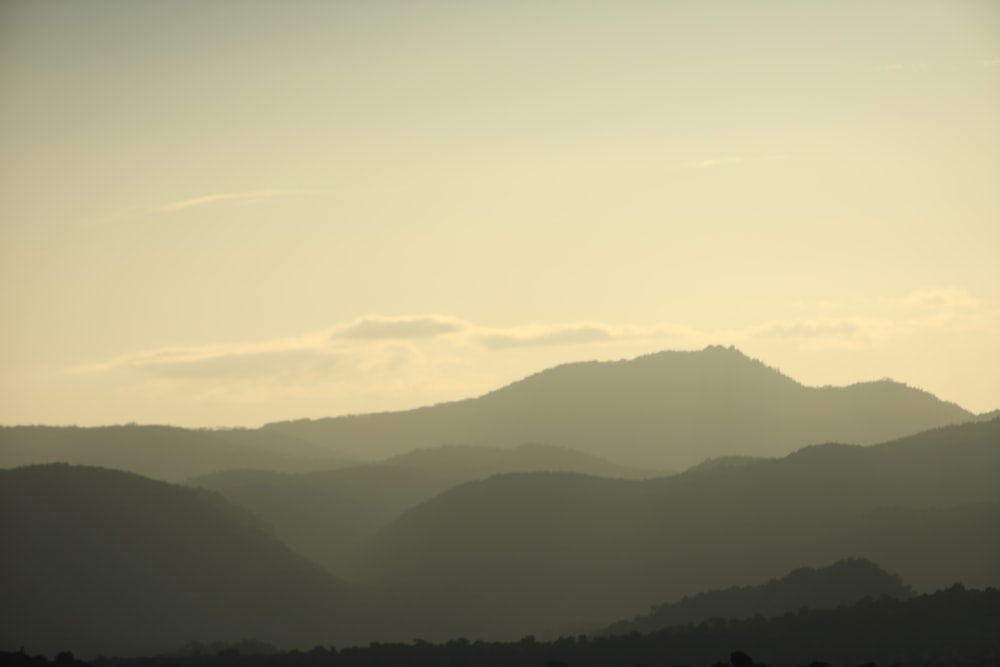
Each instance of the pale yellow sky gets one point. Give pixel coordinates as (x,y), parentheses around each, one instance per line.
(235,212)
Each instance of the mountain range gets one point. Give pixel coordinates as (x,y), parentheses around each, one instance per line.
(441,522)
(161,452)
(665,410)
(551,553)
(104,561)
(324,515)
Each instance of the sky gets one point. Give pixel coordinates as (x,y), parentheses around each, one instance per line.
(228,213)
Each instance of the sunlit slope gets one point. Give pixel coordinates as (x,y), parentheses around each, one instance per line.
(323,515)
(554,552)
(101,561)
(671,409)
(161,452)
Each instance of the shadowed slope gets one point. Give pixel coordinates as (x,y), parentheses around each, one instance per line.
(554,552)
(324,515)
(101,561)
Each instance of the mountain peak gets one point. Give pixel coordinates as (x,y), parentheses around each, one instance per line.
(669,409)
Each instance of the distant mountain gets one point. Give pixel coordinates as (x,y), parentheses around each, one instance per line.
(475,462)
(547,553)
(723,461)
(324,515)
(100,561)
(161,452)
(841,584)
(671,409)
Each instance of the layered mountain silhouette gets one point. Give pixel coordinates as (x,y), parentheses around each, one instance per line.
(841,584)
(100,561)
(670,409)
(956,626)
(447,525)
(324,515)
(555,552)
(161,452)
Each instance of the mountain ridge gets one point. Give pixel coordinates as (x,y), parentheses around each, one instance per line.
(844,582)
(324,514)
(568,547)
(664,410)
(105,561)
(169,453)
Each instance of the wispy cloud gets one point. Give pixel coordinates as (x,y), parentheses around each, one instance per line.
(715,162)
(282,356)
(731,160)
(365,341)
(424,350)
(538,336)
(941,299)
(854,332)
(234,197)
(989,62)
(399,328)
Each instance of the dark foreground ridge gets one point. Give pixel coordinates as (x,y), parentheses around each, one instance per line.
(951,627)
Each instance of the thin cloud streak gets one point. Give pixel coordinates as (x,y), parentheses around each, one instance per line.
(372,335)
(715,162)
(246,197)
(734,160)
(835,333)
(941,299)
(399,328)
(541,336)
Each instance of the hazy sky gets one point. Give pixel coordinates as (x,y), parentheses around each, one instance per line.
(235,212)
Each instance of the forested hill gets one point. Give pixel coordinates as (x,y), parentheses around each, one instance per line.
(951,628)
(842,583)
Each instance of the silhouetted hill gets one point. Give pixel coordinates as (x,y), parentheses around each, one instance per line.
(160,452)
(671,409)
(950,628)
(555,552)
(840,584)
(477,462)
(102,561)
(723,461)
(324,515)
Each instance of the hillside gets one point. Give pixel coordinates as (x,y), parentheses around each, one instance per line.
(101,561)
(665,410)
(557,552)
(324,515)
(955,627)
(161,452)
(480,461)
(841,584)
